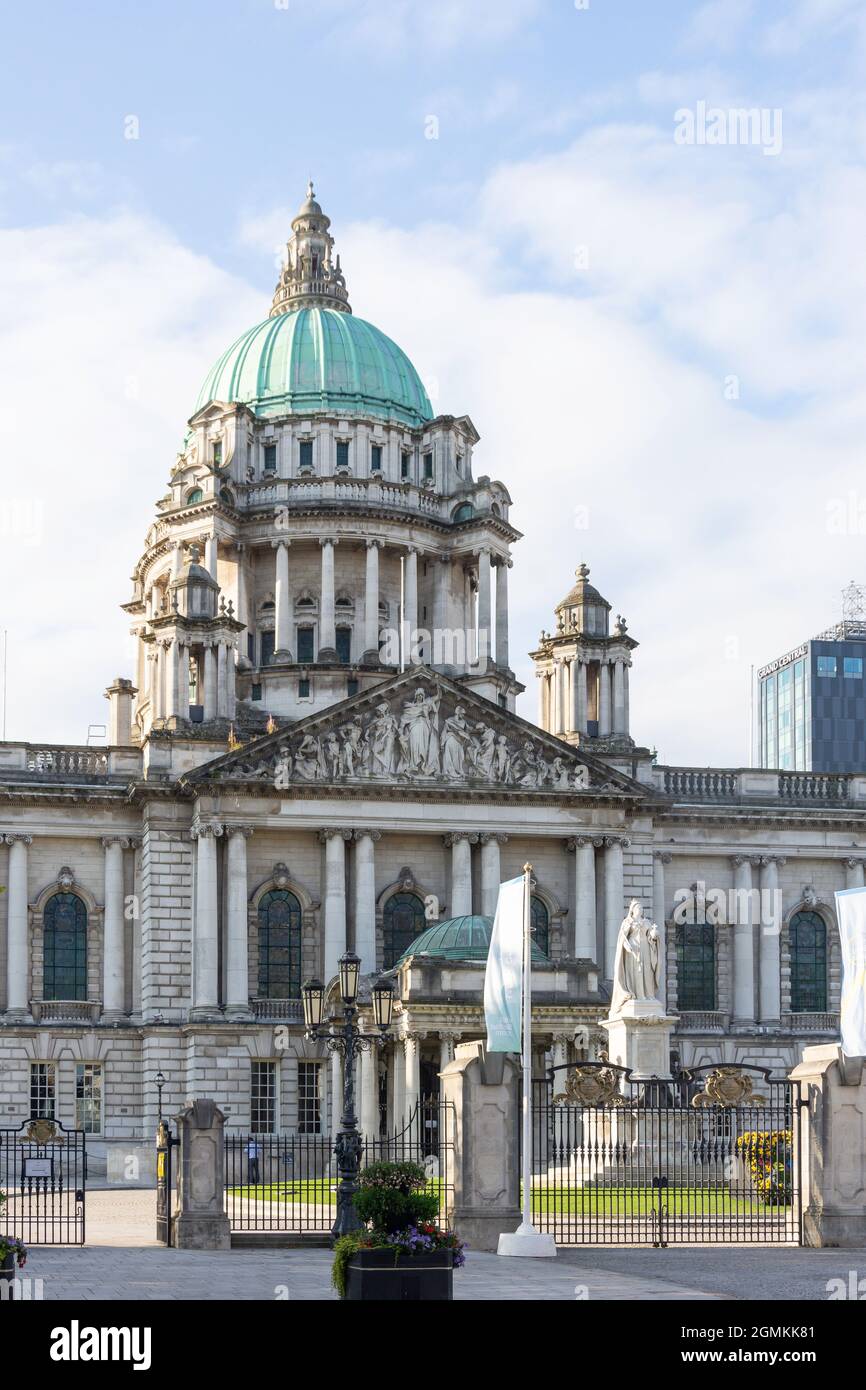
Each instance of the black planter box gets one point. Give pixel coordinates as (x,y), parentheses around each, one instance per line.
(7,1268)
(379,1275)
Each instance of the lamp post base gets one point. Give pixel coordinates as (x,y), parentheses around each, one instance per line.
(526,1240)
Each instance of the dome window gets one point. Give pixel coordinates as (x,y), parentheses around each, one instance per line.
(227,497)
(464,512)
(428,467)
(305,455)
(217,453)
(376,458)
(195,496)
(270,458)
(342,456)
(404,464)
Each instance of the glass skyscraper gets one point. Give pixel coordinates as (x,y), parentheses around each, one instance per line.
(811,705)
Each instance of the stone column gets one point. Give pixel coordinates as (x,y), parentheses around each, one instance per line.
(618,697)
(17,952)
(398,1093)
(176,559)
(853,873)
(579,695)
(491,873)
(613,899)
(660,859)
(461,873)
(370,1093)
(241,594)
(484,644)
(158,699)
(443,654)
(371,605)
(327,625)
(365,898)
(625,698)
(410,602)
(113,972)
(237,923)
(603,699)
(585,943)
(830,1155)
(568,681)
(560,1059)
(502,612)
(542,699)
(230,690)
(211,548)
(205,952)
(412,1095)
(222,692)
(484,1090)
(210,682)
(771,926)
(447,1041)
(172,653)
(744,942)
(334,904)
(283,603)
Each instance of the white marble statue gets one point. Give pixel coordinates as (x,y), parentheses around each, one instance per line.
(636,971)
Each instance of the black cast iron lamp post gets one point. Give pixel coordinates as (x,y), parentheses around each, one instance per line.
(343,1035)
(160,1082)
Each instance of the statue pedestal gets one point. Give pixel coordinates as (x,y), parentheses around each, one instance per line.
(640,1038)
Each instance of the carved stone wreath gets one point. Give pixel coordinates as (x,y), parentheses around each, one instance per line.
(728,1087)
(592,1086)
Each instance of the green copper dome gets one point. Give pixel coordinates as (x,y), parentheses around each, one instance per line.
(314,360)
(460,938)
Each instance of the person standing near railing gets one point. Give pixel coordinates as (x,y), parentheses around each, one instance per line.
(254,1153)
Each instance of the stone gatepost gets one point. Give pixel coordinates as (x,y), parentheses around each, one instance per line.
(201,1222)
(831,1147)
(484,1090)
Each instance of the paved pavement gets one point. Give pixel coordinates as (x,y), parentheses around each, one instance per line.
(122,1261)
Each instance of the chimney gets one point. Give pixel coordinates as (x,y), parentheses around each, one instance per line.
(119,697)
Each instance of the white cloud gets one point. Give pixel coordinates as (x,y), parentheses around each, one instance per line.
(386,27)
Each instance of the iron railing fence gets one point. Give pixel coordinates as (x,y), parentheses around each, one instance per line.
(288,1182)
(709,1157)
(43,1172)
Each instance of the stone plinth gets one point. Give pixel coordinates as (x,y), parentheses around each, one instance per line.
(483,1088)
(832,1147)
(640,1038)
(201,1222)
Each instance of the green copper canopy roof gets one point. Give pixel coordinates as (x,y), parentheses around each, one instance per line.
(318,360)
(460,938)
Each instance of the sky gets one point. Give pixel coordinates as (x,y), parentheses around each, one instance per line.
(652,311)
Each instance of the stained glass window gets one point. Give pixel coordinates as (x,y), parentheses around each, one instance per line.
(696,966)
(279,945)
(65,948)
(807,943)
(403,921)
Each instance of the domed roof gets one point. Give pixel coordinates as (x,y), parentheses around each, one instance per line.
(318,359)
(459,938)
(583,591)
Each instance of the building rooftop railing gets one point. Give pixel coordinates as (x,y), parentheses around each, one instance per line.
(67,763)
(710,785)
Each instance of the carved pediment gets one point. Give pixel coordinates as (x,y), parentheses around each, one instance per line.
(418,729)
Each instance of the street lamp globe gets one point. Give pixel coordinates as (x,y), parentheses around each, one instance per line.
(350,973)
(382,995)
(313,995)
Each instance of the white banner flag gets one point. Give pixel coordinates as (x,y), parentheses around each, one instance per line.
(503,978)
(851,912)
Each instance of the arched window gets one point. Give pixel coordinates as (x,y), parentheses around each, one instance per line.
(195,496)
(696,966)
(807,945)
(279,945)
(65,947)
(464,512)
(540,924)
(403,920)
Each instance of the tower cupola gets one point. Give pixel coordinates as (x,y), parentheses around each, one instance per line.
(311,276)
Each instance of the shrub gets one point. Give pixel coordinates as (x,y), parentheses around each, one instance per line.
(11,1244)
(392,1196)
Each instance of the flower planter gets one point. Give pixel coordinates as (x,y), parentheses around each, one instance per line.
(385,1276)
(7,1273)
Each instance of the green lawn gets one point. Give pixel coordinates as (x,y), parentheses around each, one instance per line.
(641,1201)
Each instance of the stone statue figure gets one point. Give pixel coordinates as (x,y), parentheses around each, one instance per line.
(636,967)
(419,734)
(456,741)
(382,741)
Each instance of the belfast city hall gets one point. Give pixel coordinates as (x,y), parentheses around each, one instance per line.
(318,749)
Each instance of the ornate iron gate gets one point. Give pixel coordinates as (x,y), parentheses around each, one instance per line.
(43,1169)
(288,1182)
(705,1158)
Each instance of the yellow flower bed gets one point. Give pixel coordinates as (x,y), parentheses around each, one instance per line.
(769,1155)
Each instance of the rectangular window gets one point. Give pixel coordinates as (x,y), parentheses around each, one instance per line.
(251,647)
(852,667)
(305,453)
(256,692)
(305,644)
(267,648)
(826,665)
(217,454)
(351,686)
(303,690)
(376,458)
(309,1102)
(88,1097)
(404,465)
(342,453)
(344,645)
(270,458)
(42,1090)
(263,1097)
(428,465)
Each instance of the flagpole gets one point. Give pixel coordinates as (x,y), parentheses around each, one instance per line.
(526,1240)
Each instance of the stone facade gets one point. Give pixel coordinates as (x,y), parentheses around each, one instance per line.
(374,764)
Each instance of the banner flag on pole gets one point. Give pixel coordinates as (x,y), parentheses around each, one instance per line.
(503,978)
(851,913)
